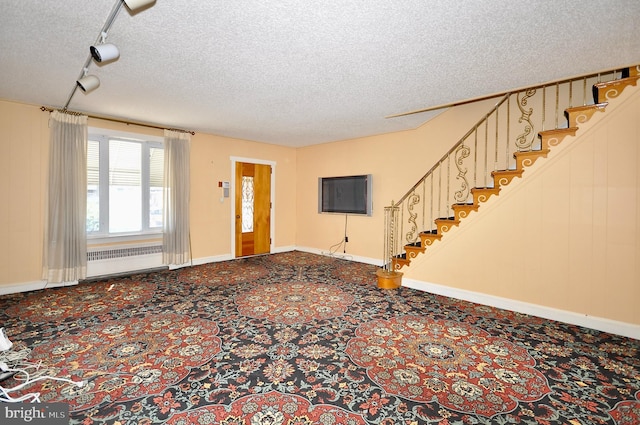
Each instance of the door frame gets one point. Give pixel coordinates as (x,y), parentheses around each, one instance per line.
(232,190)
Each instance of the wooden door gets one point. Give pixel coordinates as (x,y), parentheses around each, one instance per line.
(253,209)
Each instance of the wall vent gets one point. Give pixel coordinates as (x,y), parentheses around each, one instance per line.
(110,254)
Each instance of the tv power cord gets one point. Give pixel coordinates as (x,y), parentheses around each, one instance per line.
(23,374)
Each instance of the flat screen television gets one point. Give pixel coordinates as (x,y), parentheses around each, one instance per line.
(345,194)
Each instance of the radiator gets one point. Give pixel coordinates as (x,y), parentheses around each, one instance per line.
(112,260)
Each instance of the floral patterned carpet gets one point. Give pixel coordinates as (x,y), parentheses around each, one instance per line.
(299,339)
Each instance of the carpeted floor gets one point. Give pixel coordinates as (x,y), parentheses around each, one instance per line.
(298,338)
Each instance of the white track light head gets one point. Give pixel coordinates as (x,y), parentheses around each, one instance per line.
(88,83)
(104,52)
(134,5)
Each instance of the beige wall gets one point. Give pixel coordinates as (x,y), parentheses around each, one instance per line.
(211,219)
(23,166)
(396,161)
(24,136)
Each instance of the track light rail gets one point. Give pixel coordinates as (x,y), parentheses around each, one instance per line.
(105,29)
(90,82)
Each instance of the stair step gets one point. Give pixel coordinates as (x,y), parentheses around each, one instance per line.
(415,245)
(429,237)
(528,158)
(462,210)
(581,114)
(446,224)
(399,261)
(504,177)
(554,137)
(612,89)
(413,250)
(482,194)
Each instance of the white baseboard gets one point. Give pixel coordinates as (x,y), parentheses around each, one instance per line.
(32,286)
(605,325)
(281,249)
(228,257)
(342,255)
(213,259)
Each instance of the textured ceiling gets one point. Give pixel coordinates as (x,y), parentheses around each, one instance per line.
(299,73)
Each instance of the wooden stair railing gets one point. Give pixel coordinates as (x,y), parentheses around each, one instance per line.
(575,115)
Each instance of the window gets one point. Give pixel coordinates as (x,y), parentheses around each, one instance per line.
(124,184)
(247,204)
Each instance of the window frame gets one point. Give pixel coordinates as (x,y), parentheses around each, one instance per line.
(147,142)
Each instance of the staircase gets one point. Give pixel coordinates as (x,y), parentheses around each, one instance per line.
(497,150)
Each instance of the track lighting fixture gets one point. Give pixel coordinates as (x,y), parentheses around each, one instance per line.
(88,82)
(104,52)
(101,51)
(134,5)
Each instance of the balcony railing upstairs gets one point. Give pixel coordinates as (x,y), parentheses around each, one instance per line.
(490,145)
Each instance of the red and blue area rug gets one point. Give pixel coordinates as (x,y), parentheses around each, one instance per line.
(300,339)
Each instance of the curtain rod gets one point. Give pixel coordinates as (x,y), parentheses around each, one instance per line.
(66,111)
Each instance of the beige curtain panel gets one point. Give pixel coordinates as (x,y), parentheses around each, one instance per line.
(175,239)
(65,247)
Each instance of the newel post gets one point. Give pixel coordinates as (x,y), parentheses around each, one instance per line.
(388,277)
